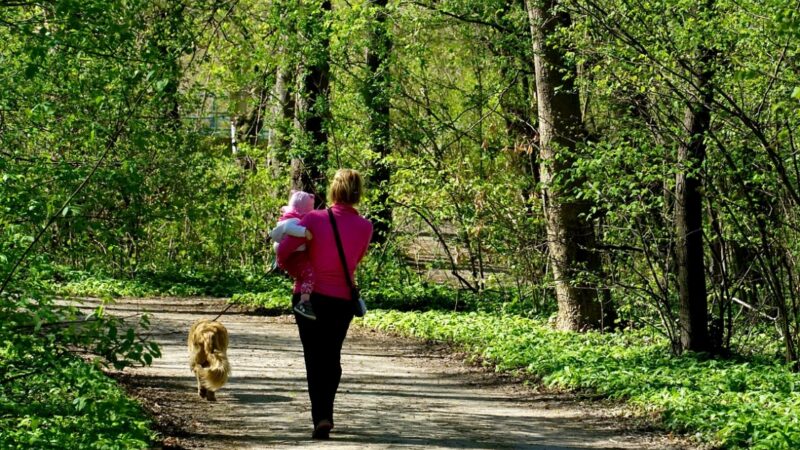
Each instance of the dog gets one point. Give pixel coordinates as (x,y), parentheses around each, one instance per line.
(208,344)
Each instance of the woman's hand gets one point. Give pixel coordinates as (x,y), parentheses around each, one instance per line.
(309,236)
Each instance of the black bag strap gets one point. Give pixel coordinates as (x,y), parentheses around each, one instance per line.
(341,250)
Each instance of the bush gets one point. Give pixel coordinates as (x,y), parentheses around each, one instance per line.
(274,302)
(50,397)
(386,281)
(62,402)
(74,283)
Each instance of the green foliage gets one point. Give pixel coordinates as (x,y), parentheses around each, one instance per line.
(96,286)
(386,283)
(737,404)
(274,302)
(76,283)
(62,402)
(173,211)
(51,397)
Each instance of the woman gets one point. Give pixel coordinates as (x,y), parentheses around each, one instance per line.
(332,298)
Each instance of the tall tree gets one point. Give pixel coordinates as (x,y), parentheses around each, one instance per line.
(282,101)
(308,167)
(252,125)
(689,207)
(376,94)
(570,235)
(168,30)
(282,112)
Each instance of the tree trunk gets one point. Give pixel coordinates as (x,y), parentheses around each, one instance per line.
(308,169)
(689,213)
(169,25)
(252,126)
(279,139)
(377,98)
(570,236)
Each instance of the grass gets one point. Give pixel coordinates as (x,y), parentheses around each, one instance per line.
(274,302)
(74,283)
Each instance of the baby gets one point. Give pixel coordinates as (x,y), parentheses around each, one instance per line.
(298,266)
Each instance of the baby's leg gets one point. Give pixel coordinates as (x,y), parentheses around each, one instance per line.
(306,279)
(300,268)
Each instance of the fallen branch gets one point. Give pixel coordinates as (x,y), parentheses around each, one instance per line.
(753,308)
(453,267)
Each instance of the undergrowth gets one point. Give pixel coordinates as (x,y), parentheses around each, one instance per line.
(52,391)
(732,403)
(276,301)
(74,283)
(65,403)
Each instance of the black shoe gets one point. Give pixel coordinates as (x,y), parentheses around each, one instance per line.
(322,430)
(304,309)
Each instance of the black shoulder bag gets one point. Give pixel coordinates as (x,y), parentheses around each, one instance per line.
(359,307)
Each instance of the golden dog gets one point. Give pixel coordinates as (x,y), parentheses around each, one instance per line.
(208,344)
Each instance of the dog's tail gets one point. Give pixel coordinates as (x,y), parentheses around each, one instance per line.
(216,374)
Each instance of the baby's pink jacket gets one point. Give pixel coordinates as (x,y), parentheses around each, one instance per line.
(355,232)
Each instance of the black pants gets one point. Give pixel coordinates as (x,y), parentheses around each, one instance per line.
(322,349)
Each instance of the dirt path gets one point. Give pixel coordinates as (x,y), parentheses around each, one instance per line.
(394,394)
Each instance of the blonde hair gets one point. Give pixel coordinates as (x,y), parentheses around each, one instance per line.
(346,187)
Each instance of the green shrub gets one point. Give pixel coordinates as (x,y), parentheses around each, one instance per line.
(386,281)
(67,403)
(274,302)
(74,283)
(51,398)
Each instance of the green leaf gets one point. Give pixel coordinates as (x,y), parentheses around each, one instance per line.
(161,84)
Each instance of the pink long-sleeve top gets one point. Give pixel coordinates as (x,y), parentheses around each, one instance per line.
(355,232)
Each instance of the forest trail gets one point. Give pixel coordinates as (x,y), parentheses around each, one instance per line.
(395,393)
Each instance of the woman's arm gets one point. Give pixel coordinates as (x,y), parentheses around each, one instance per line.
(291,243)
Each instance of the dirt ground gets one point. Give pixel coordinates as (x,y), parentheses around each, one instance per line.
(395,393)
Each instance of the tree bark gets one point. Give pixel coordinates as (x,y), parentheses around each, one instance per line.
(377,98)
(308,170)
(251,127)
(689,212)
(570,235)
(171,20)
(279,138)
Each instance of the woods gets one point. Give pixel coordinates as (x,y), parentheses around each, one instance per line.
(608,166)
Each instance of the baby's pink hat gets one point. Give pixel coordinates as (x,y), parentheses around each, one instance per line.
(300,202)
